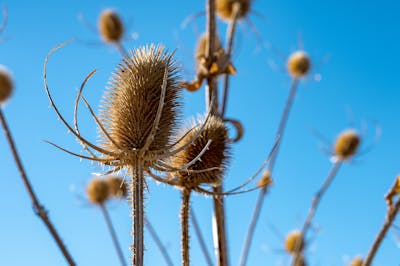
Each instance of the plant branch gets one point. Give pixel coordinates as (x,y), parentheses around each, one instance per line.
(200,238)
(219,212)
(185,210)
(137,213)
(37,206)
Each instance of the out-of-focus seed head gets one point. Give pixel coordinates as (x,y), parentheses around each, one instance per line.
(116,186)
(110,26)
(6,85)
(225,8)
(294,242)
(357,262)
(298,64)
(347,144)
(265,180)
(131,102)
(97,191)
(202,47)
(217,154)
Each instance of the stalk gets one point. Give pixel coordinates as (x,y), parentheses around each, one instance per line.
(185,209)
(137,205)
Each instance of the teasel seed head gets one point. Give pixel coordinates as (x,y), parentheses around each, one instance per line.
(294,242)
(97,191)
(224,8)
(347,144)
(357,261)
(266,180)
(216,156)
(110,26)
(131,102)
(6,85)
(202,47)
(117,187)
(298,64)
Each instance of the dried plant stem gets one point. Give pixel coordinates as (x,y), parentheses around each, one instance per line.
(37,206)
(199,235)
(230,38)
(219,212)
(391,215)
(113,234)
(263,191)
(159,244)
(137,213)
(185,209)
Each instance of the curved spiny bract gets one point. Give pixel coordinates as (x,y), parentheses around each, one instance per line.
(129,107)
(225,8)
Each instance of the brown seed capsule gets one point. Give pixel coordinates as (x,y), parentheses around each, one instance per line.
(265,180)
(216,155)
(97,191)
(356,262)
(346,144)
(131,103)
(298,64)
(6,85)
(225,8)
(202,47)
(110,26)
(116,186)
(294,242)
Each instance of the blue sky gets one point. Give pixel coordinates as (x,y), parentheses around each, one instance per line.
(361,42)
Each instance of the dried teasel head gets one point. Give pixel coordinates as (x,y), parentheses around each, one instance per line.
(216,156)
(225,8)
(346,144)
(6,85)
(202,47)
(294,242)
(131,103)
(110,26)
(97,191)
(116,186)
(265,181)
(357,261)
(298,64)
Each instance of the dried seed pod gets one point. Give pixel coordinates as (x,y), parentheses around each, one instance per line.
(110,26)
(225,8)
(6,85)
(357,262)
(202,47)
(294,242)
(97,191)
(116,186)
(131,102)
(216,155)
(346,144)
(298,64)
(265,180)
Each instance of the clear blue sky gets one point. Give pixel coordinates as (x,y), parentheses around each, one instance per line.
(361,40)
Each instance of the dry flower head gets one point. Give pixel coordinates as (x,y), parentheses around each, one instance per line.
(265,180)
(116,186)
(357,262)
(298,64)
(294,242)
(6,85)
(225,8)
(97,191)
(346,144)
(110,26)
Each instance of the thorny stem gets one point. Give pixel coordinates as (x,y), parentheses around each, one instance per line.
(185,209)
(390,216)
(37,206)
(314,205)
(199,235)
(159,244)
(221,249)
(113,234)
(230,38)
(263,191)
(137,213)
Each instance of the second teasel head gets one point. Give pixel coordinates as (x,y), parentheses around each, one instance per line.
(6,85)
(117,187)
(110,26)
(346,144)
(97,191)
(225,8)
(216,156)
(298,64)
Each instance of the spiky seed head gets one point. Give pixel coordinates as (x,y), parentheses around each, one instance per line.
(346,144)
(265,180)
(298,64)
(97,191)
(294,242)
(202,46)
(116,186)
(217,154)
(6,85)
(131,102)
(110,26)
(224,8)
(357,261)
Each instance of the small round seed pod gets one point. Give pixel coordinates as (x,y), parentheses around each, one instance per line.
(346,144)
(294,242)
(6,85)
(97,191)
(110,26)
(357,262)
(298,64)
(116,186)
(130,105)
(265,180)
(216,155)
(225,8)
